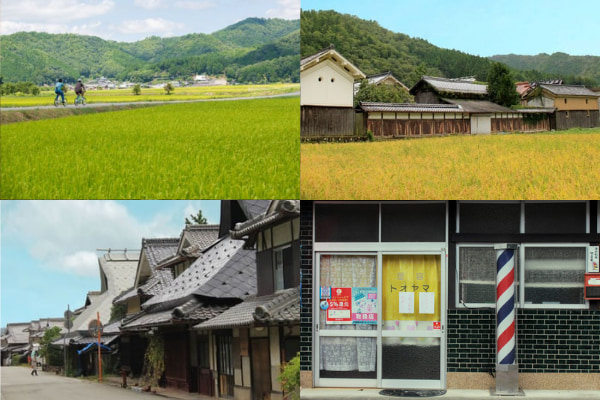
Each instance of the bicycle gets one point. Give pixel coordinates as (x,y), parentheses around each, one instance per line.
(57,102)
(80,99)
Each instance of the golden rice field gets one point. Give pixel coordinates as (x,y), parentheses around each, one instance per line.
(561,165)
(46,98)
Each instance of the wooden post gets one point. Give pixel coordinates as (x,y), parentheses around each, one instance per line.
(99,349)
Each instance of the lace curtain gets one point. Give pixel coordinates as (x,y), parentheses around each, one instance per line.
(347,353)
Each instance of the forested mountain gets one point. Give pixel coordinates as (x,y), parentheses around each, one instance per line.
(269,47)
(583,68)
(374,49)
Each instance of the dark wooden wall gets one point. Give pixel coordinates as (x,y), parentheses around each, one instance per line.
(326,121)
(520,125)
(389,128)
(577,119)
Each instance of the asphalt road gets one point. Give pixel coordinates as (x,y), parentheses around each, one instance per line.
(71,105)
(18,384)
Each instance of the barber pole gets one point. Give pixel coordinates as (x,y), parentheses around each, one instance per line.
(507,381)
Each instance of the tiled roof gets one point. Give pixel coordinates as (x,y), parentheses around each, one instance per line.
(536,110)
(200,237)
(158,249)
(444,85)
(378,78)
(479,106)
(16,333)
(278,210)
(225,270)
(120,275)
(568,90)
(410,107)
(279,307)
(331,54)
(192,311)
(104,339)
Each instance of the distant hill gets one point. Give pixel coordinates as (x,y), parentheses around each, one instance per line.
(375,49)
(584,68)
(262,43)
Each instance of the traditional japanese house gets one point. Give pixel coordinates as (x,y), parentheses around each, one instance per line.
(264,329)
(402,295)
(221,276)
(576,106)
(385,78)
(117,273)
(15,341)
(327,94)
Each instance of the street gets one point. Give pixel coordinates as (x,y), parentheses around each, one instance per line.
(18,384)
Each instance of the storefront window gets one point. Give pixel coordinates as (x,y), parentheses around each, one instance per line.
(552,276)
(348,302)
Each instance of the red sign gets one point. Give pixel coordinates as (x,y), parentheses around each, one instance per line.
(340,306)
(437,326)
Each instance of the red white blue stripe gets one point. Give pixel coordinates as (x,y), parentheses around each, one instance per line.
(505,306)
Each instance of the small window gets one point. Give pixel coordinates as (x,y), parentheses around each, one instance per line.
(278,281)
(586,101)
(565,101)
(554,275)
(332,80)
(477,275)
(567,114)
(320,78)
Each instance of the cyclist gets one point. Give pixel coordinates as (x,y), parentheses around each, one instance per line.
(59,90)
(79,88)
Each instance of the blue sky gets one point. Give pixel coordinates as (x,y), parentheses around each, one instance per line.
(132,20)
(48,255)
(485,27)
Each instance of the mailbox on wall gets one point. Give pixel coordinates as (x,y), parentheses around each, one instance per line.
(592,277)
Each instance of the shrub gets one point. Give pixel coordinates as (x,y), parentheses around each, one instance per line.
(290,378)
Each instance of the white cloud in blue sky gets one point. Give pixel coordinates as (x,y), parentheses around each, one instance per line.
(48,255)
(132,20)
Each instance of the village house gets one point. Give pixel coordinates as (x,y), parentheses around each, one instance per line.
(117,273)
(575,106)
(327,94)
(173,256)
(264,328)
(402,295)
(15,341)
(385,78)
(222,274)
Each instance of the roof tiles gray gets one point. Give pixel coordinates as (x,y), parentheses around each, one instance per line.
(569,90)
(226,270)
(455,85)
(412,107)
(280,307)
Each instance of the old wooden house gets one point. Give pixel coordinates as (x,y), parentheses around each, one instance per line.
(385,78)
(576,106)
(265,328)
(327,94)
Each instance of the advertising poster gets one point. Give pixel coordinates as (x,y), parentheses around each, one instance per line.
(339,306)
(364,305)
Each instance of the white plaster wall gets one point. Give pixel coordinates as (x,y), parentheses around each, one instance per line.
(275,357)
(481,124)
(324,92)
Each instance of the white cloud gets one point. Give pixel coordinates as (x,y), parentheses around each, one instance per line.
(92,29)
(51,12)
(64,235)
(287,9)
(154,26)
(148,4)
(195,5)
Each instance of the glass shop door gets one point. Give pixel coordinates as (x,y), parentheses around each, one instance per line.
(412,343)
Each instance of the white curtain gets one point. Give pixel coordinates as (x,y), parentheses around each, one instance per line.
(347,353)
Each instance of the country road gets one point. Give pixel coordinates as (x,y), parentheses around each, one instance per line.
(99,105)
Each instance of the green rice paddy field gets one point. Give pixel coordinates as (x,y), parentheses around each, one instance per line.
(560,165)
(212,150)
